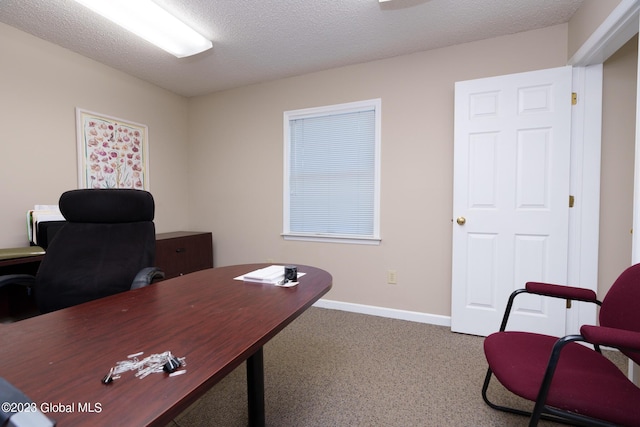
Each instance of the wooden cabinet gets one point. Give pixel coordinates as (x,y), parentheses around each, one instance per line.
(183,252)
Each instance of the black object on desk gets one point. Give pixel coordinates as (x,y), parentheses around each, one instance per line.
(18,410)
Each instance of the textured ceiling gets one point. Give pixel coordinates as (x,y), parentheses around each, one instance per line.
(261,40)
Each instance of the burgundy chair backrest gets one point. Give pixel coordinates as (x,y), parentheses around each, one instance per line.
(621,306)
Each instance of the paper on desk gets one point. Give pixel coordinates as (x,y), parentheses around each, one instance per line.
(41,213)
(273,274)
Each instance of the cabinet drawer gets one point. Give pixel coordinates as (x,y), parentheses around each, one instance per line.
(181,253)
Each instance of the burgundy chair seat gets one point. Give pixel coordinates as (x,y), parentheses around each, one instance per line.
(585,382)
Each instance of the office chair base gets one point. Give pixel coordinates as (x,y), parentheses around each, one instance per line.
(548,414)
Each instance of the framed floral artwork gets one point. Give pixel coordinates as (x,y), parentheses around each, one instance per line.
(112,153)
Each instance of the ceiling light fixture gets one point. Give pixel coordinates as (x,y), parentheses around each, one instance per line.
(154,24)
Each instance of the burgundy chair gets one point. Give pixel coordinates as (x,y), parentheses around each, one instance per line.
(568,381)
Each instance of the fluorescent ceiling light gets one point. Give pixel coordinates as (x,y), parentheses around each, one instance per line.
(151,22)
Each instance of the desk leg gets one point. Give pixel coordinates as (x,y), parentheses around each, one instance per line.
(255,389)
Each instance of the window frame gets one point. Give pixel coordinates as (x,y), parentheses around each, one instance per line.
(344,108)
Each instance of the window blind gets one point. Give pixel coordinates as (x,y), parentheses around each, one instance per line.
(332,174)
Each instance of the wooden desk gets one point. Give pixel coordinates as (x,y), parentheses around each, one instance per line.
(20,257)
(213,321)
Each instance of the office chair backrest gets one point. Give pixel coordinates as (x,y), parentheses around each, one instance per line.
(108,238)
(620,306)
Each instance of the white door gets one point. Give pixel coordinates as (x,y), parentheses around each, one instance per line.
(511,199)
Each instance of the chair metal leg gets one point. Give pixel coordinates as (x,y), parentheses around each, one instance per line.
(507,310)
(485,387)
(546,413)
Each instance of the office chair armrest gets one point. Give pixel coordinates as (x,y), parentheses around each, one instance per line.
(611,337)
(558,291)
(17,279)
(549,290)
(146,276)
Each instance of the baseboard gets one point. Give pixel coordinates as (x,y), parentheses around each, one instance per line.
(412,316)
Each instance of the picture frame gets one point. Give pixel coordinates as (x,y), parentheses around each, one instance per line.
(112,152)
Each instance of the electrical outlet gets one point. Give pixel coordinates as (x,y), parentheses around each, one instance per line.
(392,279)
(270,260)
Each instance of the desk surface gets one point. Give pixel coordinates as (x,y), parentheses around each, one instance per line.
(213,321)
(10,256)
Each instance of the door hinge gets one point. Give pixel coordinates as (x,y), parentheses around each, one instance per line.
(572,201)
(574,98)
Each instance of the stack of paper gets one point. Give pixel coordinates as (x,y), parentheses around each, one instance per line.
(272,274)
(41,213)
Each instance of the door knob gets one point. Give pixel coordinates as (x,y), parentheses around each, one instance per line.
(461,220)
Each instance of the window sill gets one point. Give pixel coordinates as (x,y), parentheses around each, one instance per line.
(354,240)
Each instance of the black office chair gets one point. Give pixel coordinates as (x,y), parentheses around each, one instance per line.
(107,246)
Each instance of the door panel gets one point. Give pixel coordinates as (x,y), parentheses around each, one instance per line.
(511,186)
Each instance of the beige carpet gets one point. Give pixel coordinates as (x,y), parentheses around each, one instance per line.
(334,368)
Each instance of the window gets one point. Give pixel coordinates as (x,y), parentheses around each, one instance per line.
(332,173)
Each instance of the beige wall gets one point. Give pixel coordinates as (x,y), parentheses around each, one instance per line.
(618,142)
(586,20)
(236,163)
(216,161)
(40,86)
